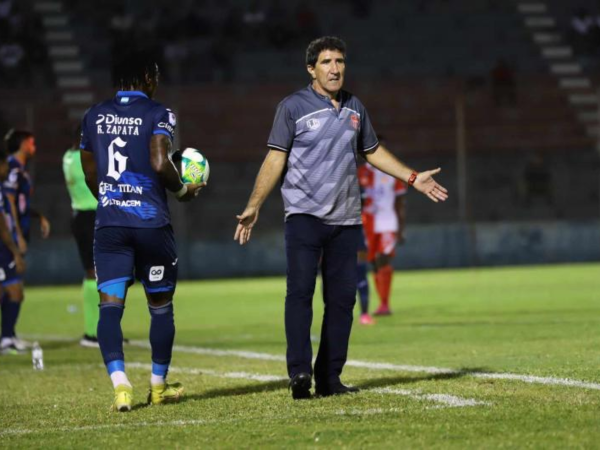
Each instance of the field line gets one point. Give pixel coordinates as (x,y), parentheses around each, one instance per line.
(443,399)
(446,399)
(370,365)
(213,373)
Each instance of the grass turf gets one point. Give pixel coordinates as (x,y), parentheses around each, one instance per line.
(542,321)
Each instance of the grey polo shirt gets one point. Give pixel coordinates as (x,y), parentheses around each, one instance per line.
(323,145)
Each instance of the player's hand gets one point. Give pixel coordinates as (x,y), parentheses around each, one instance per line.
(193,189)
(246,221)
(44,227)
(19,264)
(21,243)
(428,186)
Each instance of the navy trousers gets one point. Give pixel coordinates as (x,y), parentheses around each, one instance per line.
(307,241)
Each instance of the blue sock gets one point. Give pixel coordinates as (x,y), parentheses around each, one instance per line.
(160,370)
(10,315)
(110,335)
(118,365)
(162,335)
(362,286)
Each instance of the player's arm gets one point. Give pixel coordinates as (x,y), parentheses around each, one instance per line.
(268,176)
(160,148)
(385,161)
(12,204)
(88,164)
(7,240)
(44,222)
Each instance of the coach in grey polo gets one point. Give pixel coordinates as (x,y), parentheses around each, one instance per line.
(317,137)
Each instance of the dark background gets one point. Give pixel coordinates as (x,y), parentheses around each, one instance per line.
(527,180)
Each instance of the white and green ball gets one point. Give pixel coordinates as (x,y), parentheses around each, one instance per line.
(194,166)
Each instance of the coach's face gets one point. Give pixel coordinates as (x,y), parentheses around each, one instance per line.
(328,73)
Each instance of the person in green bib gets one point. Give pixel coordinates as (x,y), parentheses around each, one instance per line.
(84,206)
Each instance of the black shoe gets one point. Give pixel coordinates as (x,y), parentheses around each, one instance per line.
(337,389)
(300,385)
(89,341)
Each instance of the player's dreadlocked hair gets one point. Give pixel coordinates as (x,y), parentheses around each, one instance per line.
(14,138)
(131,69)
(321,44)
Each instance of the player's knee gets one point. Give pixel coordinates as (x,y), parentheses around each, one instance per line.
(15,294)
(16,298)
(158,299)
(113,293)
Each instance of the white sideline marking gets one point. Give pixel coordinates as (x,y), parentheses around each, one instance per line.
(214,373)
(216,352)
(371,365)
(446,399)
(366,412)
(550,381)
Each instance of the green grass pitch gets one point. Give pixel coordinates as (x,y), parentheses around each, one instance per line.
(537,321)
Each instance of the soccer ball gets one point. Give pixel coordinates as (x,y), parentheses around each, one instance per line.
(194,166)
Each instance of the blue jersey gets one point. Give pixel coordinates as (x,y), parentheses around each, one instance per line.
(118,132)
(6,215)
(19,185)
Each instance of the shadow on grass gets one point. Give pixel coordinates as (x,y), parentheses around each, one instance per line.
(255,388)
(271,386)
(392,381)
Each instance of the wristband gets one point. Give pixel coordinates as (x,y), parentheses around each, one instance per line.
(413,178)
(181,192)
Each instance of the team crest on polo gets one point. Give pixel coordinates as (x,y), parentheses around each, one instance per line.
(354,120)
(313,124)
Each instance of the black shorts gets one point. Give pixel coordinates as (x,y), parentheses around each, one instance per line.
(82,226)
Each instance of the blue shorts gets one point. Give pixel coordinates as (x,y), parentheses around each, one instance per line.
(8,271)
(148,254)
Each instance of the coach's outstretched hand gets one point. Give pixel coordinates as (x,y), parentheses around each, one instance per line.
(246,221)
(428,186)
(193,189)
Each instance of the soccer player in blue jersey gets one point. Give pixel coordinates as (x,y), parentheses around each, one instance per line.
(317,136)
(12,266)
(18,187)
(126,145)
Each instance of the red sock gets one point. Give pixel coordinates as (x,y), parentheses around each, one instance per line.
(385,284)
